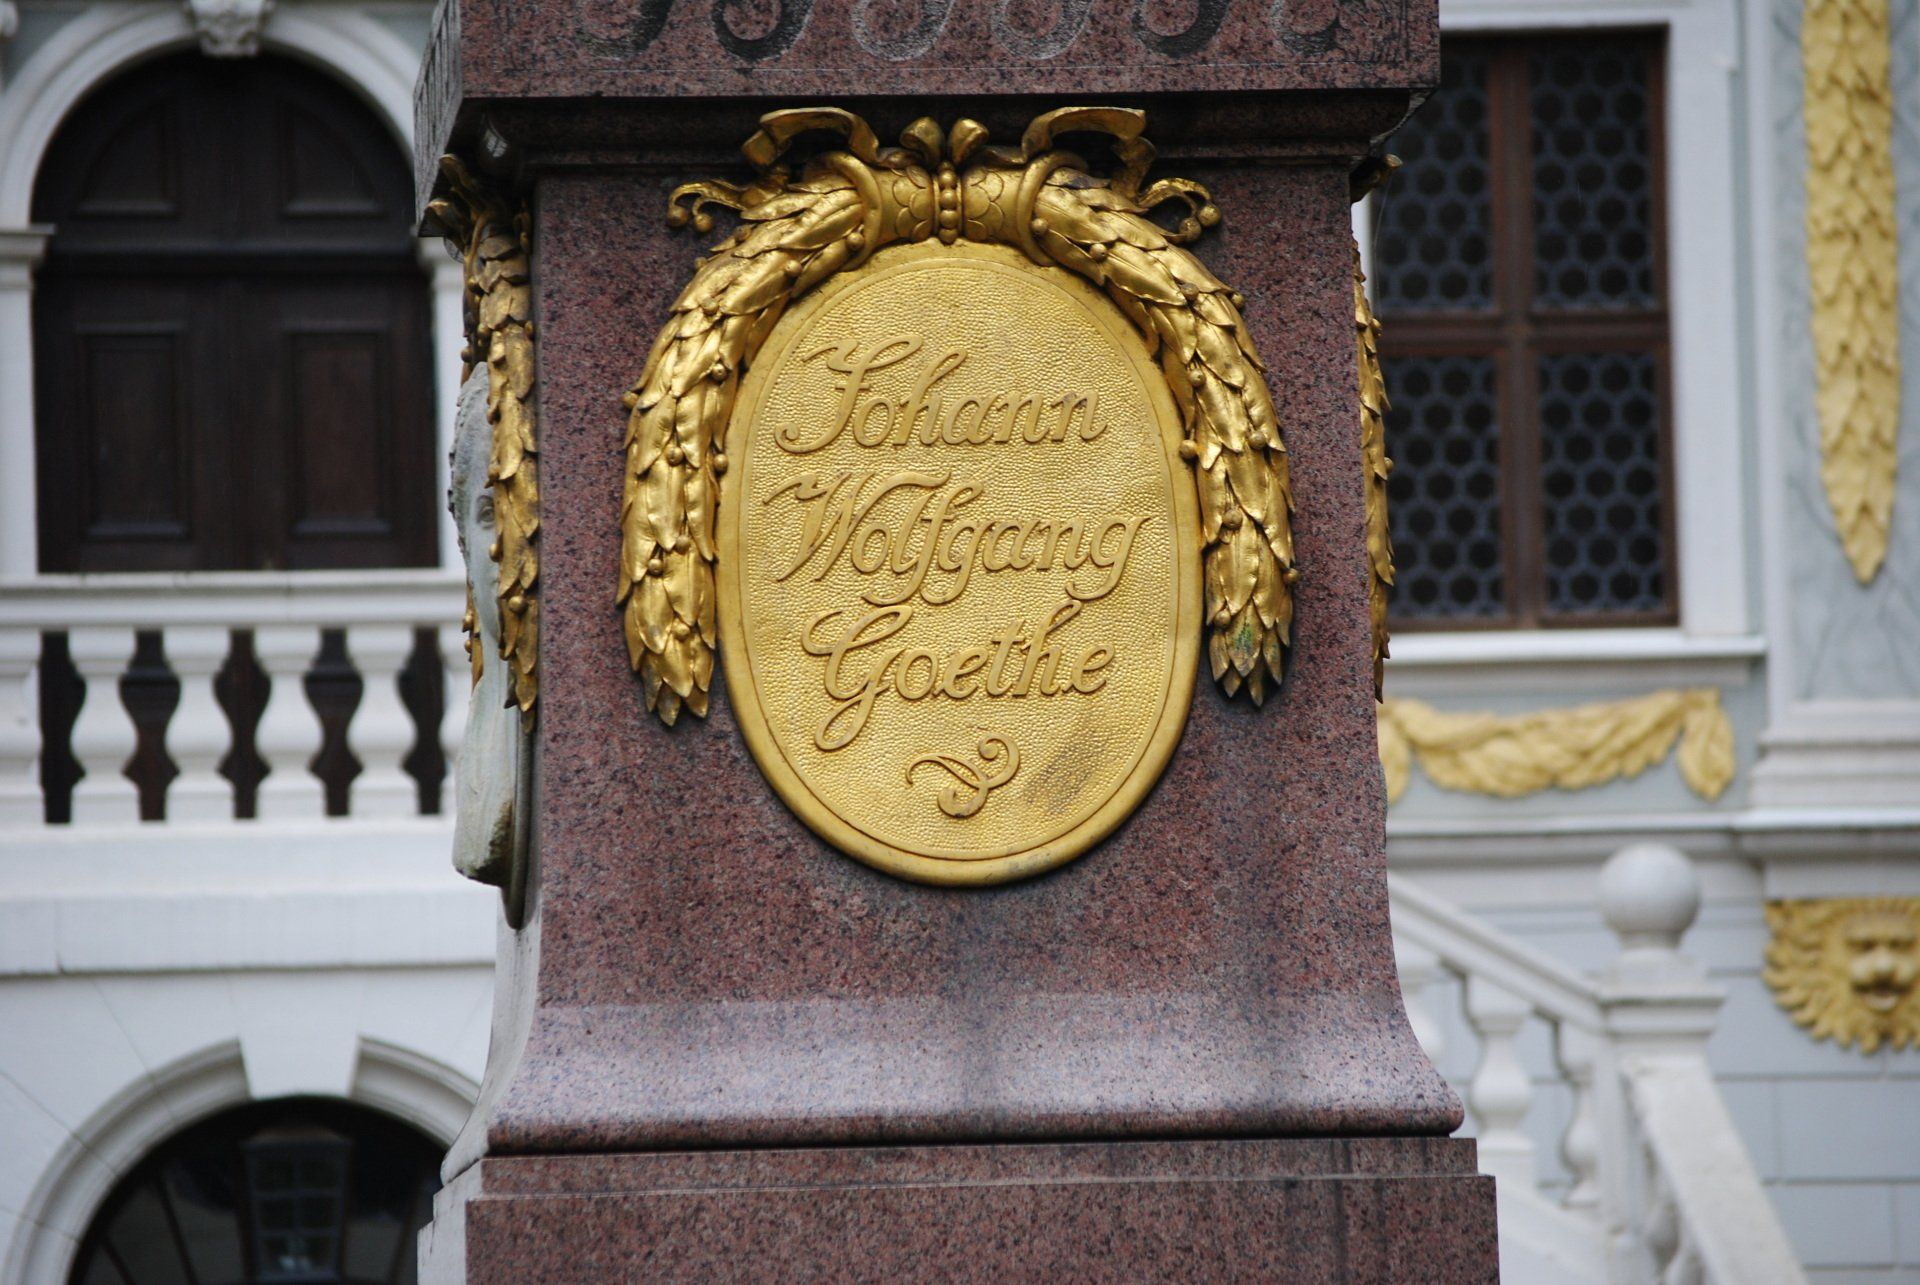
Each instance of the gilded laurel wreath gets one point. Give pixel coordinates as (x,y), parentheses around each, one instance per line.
(1371,173)
(491,236)
(850,202)
(1373,452)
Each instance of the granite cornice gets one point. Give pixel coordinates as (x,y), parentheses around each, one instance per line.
(542,136)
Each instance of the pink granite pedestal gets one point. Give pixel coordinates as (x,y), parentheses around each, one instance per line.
(1378,1210)
(722,1048)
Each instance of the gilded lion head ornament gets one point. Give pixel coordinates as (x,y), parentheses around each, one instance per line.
(1848,970)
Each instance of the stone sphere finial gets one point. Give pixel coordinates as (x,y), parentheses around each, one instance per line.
(1650,894)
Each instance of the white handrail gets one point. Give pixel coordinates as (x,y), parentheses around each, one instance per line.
(237,600)
(1475,948)
(194,614)
(1725,1219)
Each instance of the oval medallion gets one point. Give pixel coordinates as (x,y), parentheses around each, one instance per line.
(959,564)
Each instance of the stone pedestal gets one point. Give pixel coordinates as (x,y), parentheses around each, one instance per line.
(722,1047)
(1299,1210)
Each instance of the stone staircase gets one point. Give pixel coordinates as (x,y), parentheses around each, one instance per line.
(1658,1186)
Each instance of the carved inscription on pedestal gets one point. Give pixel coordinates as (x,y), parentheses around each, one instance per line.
(959,564)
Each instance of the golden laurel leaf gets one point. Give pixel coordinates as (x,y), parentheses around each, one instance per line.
(845,205)
(1373,431)
(1853,263)
(491,236)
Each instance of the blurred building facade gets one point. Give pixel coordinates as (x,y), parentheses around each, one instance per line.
(1652,337)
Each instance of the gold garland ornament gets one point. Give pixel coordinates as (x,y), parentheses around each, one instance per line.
(1373,429)
(492,237)
(1570,749)
(1853,261)
(1848,969)
(846,204)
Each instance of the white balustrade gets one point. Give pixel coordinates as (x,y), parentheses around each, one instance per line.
(1420,974)
(1661,1189)
(20,800)
(197,734)
(103,736)
(1501,1090)
(195,614)
(1578,1050)
(288,736)
(381,731)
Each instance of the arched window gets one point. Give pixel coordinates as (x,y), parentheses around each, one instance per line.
(302,1190)
(230,329)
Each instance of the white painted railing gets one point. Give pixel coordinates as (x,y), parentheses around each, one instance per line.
(1659,1188)
(196,616)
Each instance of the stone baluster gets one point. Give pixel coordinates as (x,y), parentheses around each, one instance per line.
(1578,1051)
(1660,1222)
(21,803)
(453,713)
(381,732)
(1420,970)
(289,733)
(1500,1091)
(197,735)
(103,735)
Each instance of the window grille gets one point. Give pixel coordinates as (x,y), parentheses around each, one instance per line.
(1518,269)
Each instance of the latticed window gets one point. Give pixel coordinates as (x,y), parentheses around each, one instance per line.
(1518,268)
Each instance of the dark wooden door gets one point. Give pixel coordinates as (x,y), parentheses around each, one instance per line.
(232,354)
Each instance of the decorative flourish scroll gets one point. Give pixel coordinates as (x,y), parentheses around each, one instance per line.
(967,793)
(1848,969)
(1570,749)
(492,237)
(848,203)
(1853,259)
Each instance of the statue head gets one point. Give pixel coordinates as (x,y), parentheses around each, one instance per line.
(1883,963)
(1849,968)
(492,785)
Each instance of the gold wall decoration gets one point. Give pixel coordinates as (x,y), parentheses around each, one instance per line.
(960,564)
(1853,260)
(1373,450)
(1371,174)
(491,234)
(1848,969)
(1575,748)
(848,203)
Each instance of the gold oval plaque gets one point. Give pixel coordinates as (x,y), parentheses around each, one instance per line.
(959,567)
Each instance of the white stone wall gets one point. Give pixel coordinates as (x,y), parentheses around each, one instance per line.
(153,975)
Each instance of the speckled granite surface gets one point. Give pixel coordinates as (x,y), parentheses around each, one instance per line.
(488,54)
(710,974)
(1376,1211)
